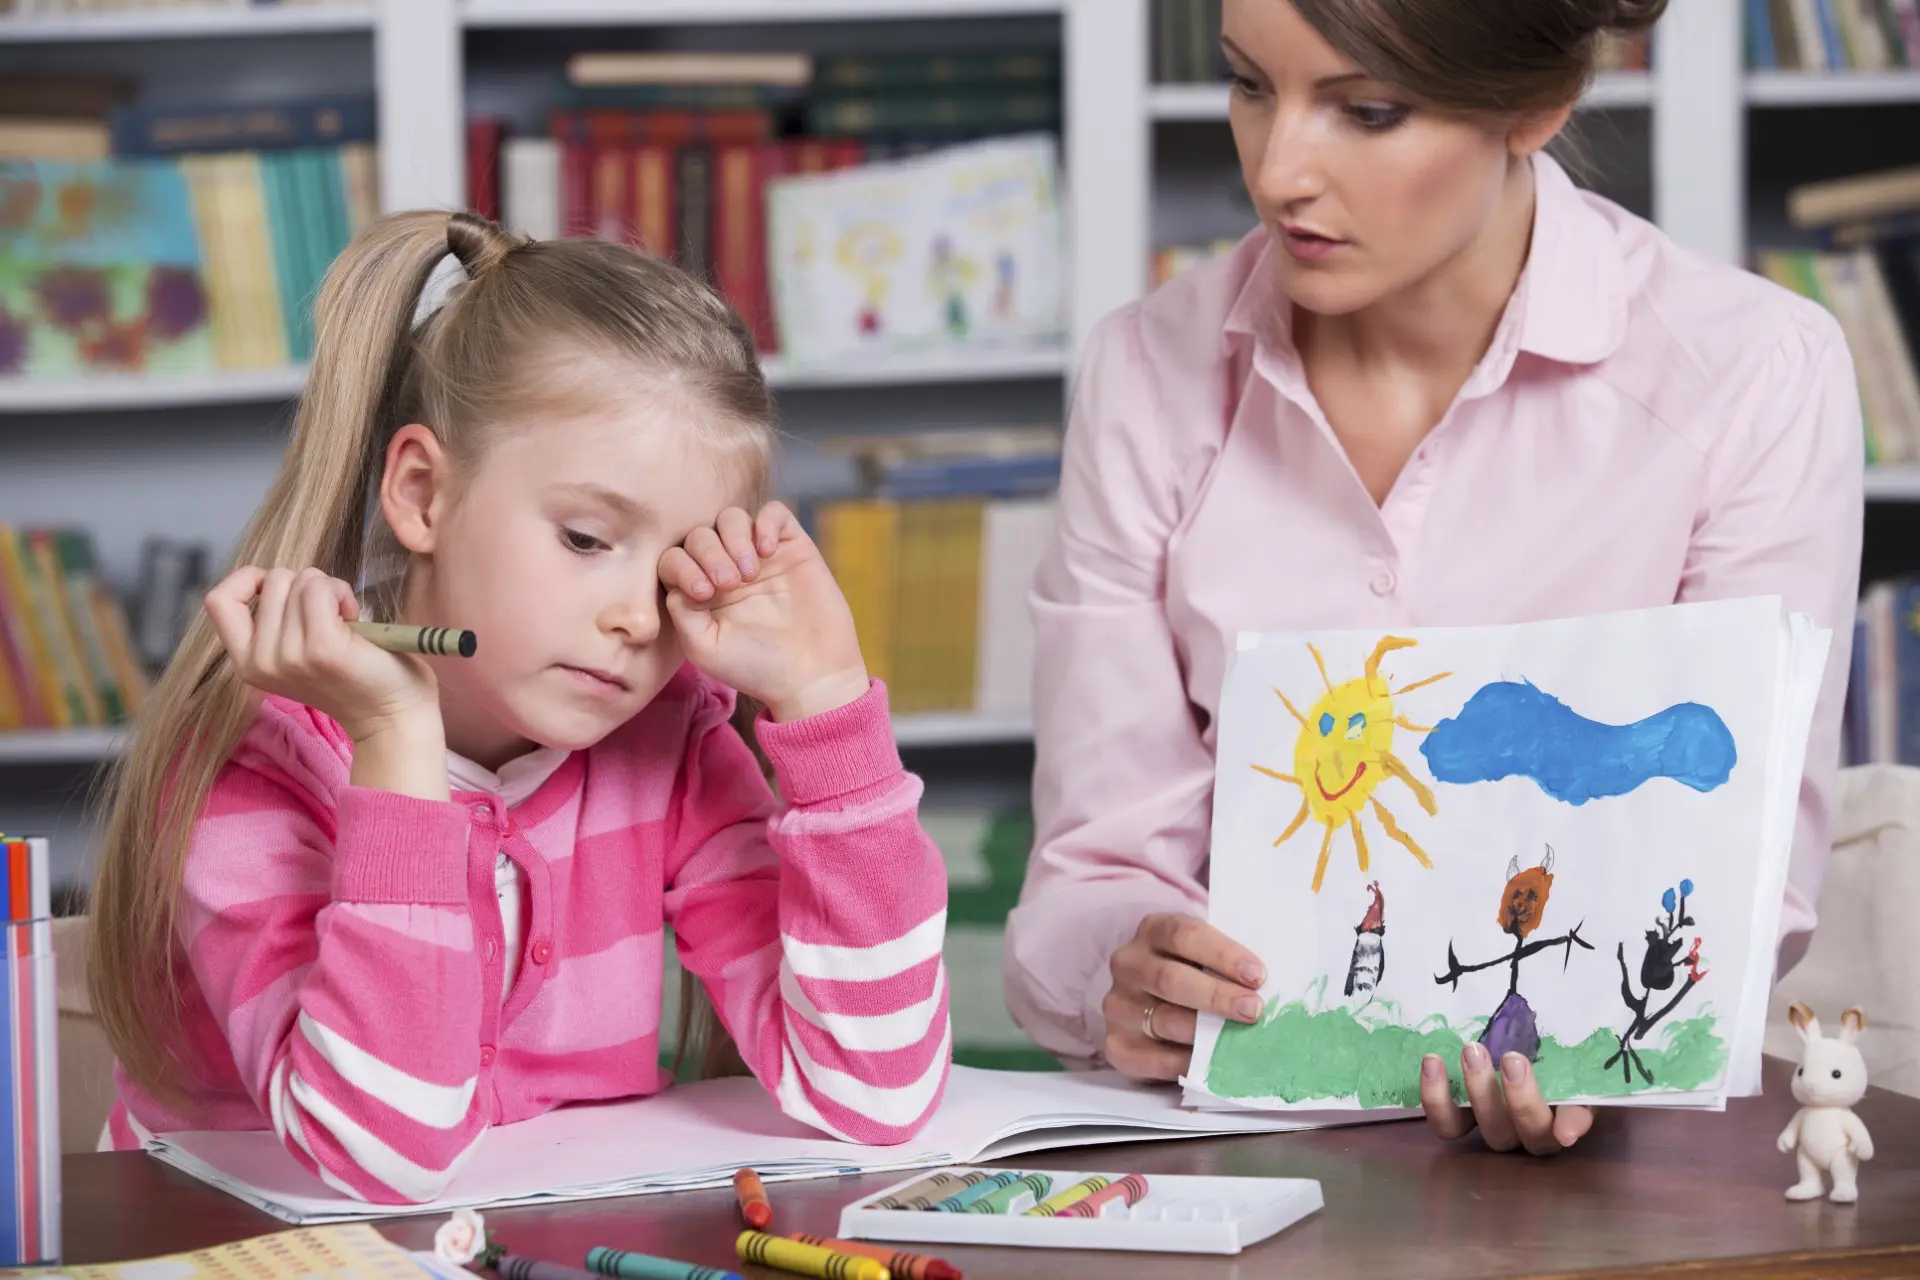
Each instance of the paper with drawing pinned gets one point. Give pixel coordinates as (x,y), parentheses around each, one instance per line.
(1567,839)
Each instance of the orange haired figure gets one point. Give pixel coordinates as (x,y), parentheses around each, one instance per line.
(1523,903)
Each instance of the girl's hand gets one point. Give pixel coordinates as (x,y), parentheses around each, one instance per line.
(758,610)
(287,633)
(1165,968)
(1509,1111)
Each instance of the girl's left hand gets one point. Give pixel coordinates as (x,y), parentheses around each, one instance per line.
(758,610)
(1509,1111)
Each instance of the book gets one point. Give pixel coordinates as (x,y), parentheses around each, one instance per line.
(696,1136)
(352,1252)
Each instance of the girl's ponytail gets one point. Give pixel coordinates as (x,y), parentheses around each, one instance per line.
(365,347)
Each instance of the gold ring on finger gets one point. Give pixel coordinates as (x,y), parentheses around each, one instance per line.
(1146,1020)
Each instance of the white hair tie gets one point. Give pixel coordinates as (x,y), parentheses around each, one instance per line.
(439,287)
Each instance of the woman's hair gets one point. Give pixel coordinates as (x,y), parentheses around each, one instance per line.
(1479,55)
(506,343)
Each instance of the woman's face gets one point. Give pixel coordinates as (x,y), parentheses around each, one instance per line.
(1363,194)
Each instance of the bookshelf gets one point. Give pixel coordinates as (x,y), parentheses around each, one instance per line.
(1831,89)
(104,394)
(587,13)
(187,23)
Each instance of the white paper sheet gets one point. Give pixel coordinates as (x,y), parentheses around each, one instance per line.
(1632,776)
(645,1145)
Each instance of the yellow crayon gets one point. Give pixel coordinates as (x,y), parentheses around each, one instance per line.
(1053,1204)
(806,1259)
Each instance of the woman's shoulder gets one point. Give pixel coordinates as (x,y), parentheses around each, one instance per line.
(1182,323)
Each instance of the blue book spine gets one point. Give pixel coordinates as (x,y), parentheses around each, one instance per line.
(1760,51)
(1830,36)
(982,478)
(1906,672)
(307,122)
(1859,731)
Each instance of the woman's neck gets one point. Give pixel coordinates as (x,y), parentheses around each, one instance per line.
(1440,327)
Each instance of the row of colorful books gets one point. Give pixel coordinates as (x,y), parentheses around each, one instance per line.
(67,656)
(1881,722)
(45,8)
(1832,35)
(935,552)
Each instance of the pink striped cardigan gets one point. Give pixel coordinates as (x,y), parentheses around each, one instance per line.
(341,952)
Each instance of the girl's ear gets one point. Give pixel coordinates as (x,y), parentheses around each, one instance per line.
(1852,1023)
(414,487)
(1804,1022)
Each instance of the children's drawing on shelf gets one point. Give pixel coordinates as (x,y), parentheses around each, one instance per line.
(869,252)
(1659,967)
(1344,751)
(1369,963)
(949,276)
(1513,1027)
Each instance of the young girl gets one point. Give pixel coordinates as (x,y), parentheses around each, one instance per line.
(381,903)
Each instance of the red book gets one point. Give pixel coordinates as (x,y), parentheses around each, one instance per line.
(741,171)
(669,126)
(654,199)
(483,165)
(612,215)
(576,188)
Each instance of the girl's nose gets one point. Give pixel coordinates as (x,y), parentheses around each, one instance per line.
(636,617)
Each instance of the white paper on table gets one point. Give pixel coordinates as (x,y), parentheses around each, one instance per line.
(643,1145)
(1696,675)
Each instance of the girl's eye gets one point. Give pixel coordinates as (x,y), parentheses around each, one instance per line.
(583,543)
(1243,85)
(1376,117)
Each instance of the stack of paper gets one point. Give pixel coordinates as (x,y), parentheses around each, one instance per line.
(1566,839)
(641,1146)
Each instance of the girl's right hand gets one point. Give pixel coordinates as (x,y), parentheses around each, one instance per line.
(1164,970)
(286,633)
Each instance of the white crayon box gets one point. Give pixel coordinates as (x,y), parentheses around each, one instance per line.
(1056,1209)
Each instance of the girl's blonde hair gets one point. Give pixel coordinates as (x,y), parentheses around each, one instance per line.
(483,361)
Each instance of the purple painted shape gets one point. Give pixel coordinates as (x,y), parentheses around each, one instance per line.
(1512,1030)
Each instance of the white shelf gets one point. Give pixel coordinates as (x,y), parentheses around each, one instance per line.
(1831,89)
(629,13)
(960,728)
(152,391)
(59,746)
(1894,484)
(882,371)
(187,23)
(1207,101)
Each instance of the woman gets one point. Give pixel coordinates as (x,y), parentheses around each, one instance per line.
(1438,385)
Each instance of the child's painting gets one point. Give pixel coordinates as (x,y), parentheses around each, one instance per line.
(1562,839)
(953,248)
(99,270)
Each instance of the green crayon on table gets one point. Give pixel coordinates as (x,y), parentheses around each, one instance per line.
(627,1265)
(962,1199)
(1059,1200)
(1130,1190)
(1037,1183)
(929,1191)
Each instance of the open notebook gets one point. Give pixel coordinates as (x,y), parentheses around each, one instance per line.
(650,1144)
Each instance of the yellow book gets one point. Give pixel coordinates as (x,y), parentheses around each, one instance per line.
(49,585)
(360,179)
(226,313)
(859,540)
(244,207)
(923,607)
(13,711)
(110,620)
(962,592)
(26,612)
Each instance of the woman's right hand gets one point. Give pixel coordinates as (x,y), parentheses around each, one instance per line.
(286,633)
(1173,967)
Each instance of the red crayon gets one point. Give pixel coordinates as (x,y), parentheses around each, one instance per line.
(755,1209)
(902,1266)
(1131,1189)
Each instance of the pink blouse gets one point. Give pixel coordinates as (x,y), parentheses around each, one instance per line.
(1647,426)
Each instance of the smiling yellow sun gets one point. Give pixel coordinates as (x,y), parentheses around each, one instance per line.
(1345,751)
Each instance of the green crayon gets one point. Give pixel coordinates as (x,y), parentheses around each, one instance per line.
(963,1199)
(1038,1183)
(626,1265)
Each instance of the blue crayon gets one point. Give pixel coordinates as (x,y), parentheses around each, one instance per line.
(999,1201)
(640,1266)
(959,1200)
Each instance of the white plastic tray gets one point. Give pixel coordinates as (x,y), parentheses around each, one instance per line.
(1177,1215)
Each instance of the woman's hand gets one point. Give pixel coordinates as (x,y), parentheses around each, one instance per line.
(1509,1111)
(759,611)
(287,634)
(1163,970)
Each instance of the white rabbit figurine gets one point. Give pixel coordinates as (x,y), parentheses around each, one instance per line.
(1832,1077)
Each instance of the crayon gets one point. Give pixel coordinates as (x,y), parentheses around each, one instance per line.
(902,1266)
(755,1209)
(1037,1183)
(964,1198)
(512,1267)
(1129,1189)
(929,1191)
(436,642)
(1059,1200)
(805,1259)
(641,1266)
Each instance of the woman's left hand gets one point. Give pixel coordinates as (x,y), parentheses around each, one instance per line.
(758,610)
(1508,1110)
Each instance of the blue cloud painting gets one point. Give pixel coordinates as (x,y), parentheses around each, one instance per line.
(1512,729)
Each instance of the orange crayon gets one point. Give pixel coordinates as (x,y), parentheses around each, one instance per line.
(755,1209)
(901,1265)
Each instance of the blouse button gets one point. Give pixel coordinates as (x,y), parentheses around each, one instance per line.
(486,1055)
(1383,583)
(542,951)
(489,950)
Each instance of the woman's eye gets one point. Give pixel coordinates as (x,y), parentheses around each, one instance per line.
(1376,117)
(581,542)
(1240,84)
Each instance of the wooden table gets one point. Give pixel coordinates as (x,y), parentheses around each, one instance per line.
(1647,1187)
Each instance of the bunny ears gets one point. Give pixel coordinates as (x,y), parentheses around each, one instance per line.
(1852,1023)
